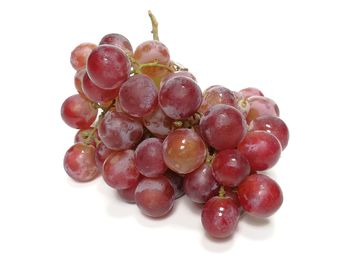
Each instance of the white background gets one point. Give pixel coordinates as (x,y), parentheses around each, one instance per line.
(297,52)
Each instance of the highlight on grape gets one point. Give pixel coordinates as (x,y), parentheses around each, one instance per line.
(145,125)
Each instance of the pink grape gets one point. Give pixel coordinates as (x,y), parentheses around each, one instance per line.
(102,153)
(180,97)
(80,55)
(118,131)
(250,92)
(108,66)
(138,96)
(273,125)
(158,123)
(78,81)
(118,41)
(79,162)
(222,127)
(260,195)
(184,151)
(119,170)
(220,216)
(261,148)
(149,158)
(176,74)
(260,106)
(78,112)
(155,196)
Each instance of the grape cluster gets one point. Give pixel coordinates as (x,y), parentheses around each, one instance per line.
(145,125)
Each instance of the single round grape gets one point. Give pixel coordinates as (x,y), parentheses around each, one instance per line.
(176,74)
(78,112)
(108,66)
(79,162)
(128,194)
(149,158)
(180,97)
(222,127)
(261,148)
(118,41)
(78,81)
(176,181)
(83,135)
(217,95)
(260,195)
(261,106)
(158,123)
(80,55)
(155,196)
(250,92)
(230,167)
(138,96)
(184,151)
(273,125)
(97,94)
(118,131)
(119,170)
(220,216)
(102,153)
(200,184)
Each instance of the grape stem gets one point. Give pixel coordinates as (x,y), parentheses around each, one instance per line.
(100,118)
(154,26)
(155,64)
(222,192)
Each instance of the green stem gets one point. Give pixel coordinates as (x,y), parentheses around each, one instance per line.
(222,192)
(154,26)
(154,64)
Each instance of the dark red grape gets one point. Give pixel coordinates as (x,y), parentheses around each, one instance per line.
(138,96)
(200,184)
(118,131)
(184,151)
(149,158)
(222,127)
(97,94)
(273,125)
(119,170)
(79,162)
(260,106)
(261,148)
(220,216)
(155,196)
(78,112)
(128,194)
(108,66)
(176,181)
(118,41)
(80,55)
(230,167)
(260,195)
(180,97)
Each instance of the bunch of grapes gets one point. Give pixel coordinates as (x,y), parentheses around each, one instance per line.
(146,127)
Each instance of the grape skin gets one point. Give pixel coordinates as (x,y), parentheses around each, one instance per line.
(260,106)
(80,55)
(158,123)
(250,92)
(117,40)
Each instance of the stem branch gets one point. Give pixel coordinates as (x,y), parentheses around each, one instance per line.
(154,26)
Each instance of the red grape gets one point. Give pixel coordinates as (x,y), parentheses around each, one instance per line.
(78,81)
(183,151)
(176,74)
(273,125)
(230,167)
(158,123)
(149,158)
(79,162)
(176,181)
(261,106)
(102,153)
(138,96)
(118,131)
(78,112)
(200,184)
(95,93)
(118,41)
(217,95)
(220,216)
(128,194)
(250,92)
(222,127)
(119,170)
(260,195)
(232,193)
(108,66)
(155,196)
(80,55)
(180,97)
(261,148)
